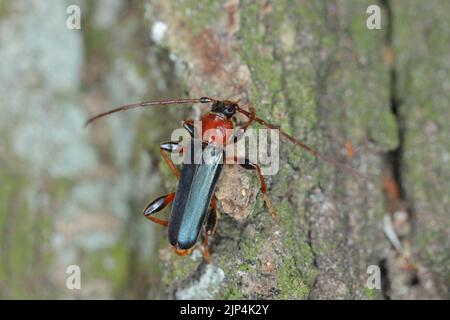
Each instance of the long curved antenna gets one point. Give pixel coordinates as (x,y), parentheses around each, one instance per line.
(303,145)
(149,103)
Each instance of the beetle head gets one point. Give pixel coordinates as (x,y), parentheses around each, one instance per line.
(225,107)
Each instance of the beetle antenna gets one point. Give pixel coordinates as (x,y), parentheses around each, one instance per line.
(147,104)
(303,145)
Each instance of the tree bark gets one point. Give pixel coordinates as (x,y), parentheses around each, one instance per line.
(315,69)
(374,99)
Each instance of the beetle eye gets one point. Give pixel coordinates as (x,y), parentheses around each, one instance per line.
(229,110)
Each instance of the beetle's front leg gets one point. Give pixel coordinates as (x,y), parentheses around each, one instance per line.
(251,117)
(156,206)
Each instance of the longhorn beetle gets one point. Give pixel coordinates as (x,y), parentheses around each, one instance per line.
(197,182)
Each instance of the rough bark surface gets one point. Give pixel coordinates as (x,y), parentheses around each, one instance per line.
(316,70)
(375,99)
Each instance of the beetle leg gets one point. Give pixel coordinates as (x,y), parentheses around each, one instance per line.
(206,254)
(210,228)
(189,126)
(211,221)
(161,202)
(251,118)
(252,166)
(169,147)
(156,206)
(240,130)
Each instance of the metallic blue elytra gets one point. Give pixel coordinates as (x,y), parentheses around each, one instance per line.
(192,200)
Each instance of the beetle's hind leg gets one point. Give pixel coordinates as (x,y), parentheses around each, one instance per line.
(210,229)
(211,221)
